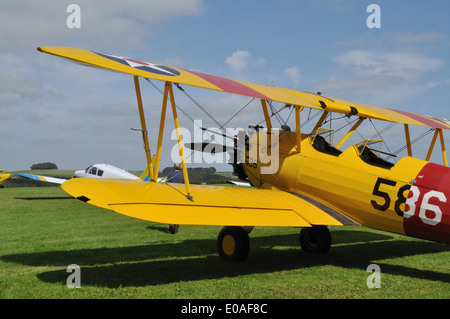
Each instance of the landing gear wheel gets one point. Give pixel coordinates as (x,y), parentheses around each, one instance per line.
(233,244)
(316,239)
(173,228)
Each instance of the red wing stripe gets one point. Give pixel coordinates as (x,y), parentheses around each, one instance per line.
(230,86)
(422,119)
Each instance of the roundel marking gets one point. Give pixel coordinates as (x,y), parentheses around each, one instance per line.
(145,66)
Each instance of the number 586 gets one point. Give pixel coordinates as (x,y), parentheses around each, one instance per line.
(410,207)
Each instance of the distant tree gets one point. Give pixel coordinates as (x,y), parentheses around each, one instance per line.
(198,175)
(46,165)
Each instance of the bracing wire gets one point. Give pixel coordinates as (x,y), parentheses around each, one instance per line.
(280,120)
(379,134)
(221,127)
(413,141)
(198,104)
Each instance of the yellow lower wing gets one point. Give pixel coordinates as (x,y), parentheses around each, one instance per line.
(210,205)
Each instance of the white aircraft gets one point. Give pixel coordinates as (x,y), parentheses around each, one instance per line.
(93,171)
(104,171)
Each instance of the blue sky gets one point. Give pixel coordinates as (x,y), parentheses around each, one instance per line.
(56,111)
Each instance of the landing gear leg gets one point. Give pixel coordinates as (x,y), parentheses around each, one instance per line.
(316,239)
(233,244)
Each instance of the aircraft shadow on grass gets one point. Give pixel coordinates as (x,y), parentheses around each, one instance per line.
(163,263)
(44,198)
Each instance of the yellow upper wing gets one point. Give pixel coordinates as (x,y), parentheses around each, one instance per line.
(176,75)
(210,205)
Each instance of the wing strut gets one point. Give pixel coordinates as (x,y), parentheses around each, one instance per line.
(298,133)
(321,120)
(408,139)
(144,127)
(444,153)
(349,133)
(168,94)
(433,141)
(161,129)
(266,115)
(180,141)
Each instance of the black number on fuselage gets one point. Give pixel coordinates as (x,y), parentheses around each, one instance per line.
(401,199)
(383,195)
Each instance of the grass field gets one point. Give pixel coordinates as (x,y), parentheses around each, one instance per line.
(43,231)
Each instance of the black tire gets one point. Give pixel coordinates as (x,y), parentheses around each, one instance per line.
(233,244)
(173,228)
(316,239)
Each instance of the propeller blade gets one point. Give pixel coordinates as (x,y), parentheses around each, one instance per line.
(209,147)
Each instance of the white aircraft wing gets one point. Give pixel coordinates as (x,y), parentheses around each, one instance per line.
(43,178)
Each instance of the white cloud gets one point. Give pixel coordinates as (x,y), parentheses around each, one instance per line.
(401,41)
(15,83)
(104,23)
(407,37)
(53,97)
(241,63)
(381,77)
(385,91)
(293,73)
(377,63)
(238,61)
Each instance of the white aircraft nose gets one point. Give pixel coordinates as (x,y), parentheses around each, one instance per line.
(78,173)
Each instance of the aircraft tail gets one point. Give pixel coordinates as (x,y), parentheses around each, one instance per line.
(145,177)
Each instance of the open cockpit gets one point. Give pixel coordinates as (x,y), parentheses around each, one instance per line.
(368,150)
(319,141)
(370,155)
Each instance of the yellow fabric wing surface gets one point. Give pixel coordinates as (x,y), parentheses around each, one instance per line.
(210,205)
(176,75)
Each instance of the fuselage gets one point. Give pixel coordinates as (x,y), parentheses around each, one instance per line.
(409,197)
(104,171)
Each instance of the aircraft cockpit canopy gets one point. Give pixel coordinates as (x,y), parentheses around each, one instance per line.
(94,171)
(322,140)
(370,151)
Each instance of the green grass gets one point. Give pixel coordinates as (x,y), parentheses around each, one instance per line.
(43,230)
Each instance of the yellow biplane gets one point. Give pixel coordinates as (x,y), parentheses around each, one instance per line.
(4,177)
(315,183)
